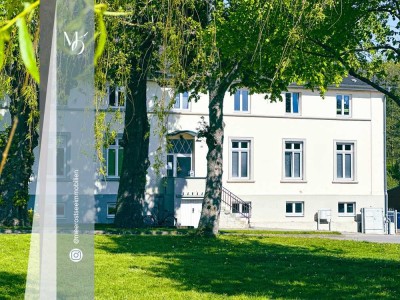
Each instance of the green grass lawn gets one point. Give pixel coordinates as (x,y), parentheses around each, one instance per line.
(229,267)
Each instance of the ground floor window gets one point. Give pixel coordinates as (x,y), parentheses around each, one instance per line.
(294,209)
(61,210)
(243,208)
(347,208)
(111,210)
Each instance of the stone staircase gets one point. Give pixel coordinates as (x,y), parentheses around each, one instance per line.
(233,218)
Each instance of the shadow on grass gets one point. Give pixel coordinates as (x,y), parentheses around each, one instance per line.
(12,286)
(261,267)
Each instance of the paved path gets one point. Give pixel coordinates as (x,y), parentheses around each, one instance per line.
(376,238)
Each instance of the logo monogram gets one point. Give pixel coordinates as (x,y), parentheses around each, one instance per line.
(76,43)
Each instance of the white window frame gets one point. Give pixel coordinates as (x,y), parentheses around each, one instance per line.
(62,204)
(353,165)
(302,151)
(111,216)
(240,210)
(346,213)
(250,156)
(240,110)
(180,108)
(291,103)
(116,91)
(341,114)
(116,147)
(294,213)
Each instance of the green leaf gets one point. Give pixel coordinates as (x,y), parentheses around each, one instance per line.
(102,38)
(26,49)
(1,51)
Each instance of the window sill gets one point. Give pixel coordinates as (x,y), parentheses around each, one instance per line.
(110,217)
(346,215)
(294,215)
(239,112)
(110,179)
(240,181)
(292,115)
(345,182)
(293,180)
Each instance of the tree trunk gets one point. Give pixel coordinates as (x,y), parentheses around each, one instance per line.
(209,219)
(14,181)
(132,184)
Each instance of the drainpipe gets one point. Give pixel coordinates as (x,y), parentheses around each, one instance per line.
(384,160)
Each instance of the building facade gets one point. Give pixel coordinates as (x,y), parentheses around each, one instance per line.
(301,163)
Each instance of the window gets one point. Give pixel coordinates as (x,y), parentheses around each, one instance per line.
(181,101)
(179,158)
(61,155)
(293,160)
(347,209)
(345,161)
(240,159)
(60,210)
(295,209)
(343,105)
(242,208)
(241,101)
(111,210)
(116,97)
(114,157)
(292,103)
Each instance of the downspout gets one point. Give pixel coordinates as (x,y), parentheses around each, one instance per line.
(384,159)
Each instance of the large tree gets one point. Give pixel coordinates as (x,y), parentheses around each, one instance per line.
(18,80)
(151,40)
(252,44)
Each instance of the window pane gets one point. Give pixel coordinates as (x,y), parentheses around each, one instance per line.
(111,97)
(295,102)
(111,162)
(297,165)
(121,98)
(339,147)
(185,101)
(177,103)
(288,145)
(60,209)
(339,104)
(347,147)
(120,159)
(346,105)
(288,102)
(243,165)
(235,164)
(350,208)
(111,209)
(339,165)
(245,208)
(60,162)
(235,207)
(298,207)
(289,207)
(297,146)
(245,101)
(288,164)
(348,166)
(341,207)
(235,144)
(237,101)
(244,145)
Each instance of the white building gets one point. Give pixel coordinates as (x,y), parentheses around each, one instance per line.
(283,161)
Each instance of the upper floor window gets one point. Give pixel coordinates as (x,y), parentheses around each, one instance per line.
(292,103)
(345,161)
(240,159)
(343,105)
(293,160)
(114,157)
(116,96)
(241,101)
(181,101)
